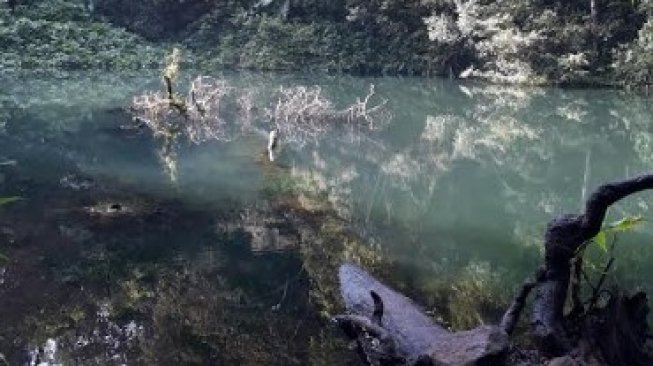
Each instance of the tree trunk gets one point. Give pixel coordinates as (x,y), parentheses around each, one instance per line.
(564,236)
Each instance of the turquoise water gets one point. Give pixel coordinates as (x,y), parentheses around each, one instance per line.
(463,178)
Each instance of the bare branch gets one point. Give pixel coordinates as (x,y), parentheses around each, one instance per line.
(303,114)
(511,316)
(605,196)
(200,116)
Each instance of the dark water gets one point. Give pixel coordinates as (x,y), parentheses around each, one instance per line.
(110,262)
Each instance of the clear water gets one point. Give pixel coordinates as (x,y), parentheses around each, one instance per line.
(463,180)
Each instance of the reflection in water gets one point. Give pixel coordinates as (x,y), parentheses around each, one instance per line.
(477,174)
(235,263)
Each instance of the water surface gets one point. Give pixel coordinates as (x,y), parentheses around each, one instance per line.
(111,261)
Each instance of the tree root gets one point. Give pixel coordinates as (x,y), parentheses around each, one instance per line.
(564,236)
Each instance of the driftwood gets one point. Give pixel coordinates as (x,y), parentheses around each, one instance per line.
(389,329)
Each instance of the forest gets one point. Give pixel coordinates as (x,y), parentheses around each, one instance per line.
(574,43)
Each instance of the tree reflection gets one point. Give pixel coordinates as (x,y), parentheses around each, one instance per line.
(498,161)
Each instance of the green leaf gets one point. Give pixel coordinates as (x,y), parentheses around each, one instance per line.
(601,240)
(8,200)
(626,224)
(3,258)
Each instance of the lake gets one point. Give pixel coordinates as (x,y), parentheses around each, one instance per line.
(120,252)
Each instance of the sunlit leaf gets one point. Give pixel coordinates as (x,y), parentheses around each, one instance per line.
(601,240)
(626,224)
(8,200)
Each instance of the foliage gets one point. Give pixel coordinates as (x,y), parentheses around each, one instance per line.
(625,224)
(59,35)
(270,43)
(582,263)
(274,44)
(634,62)
(155,19)
(504,41)
(54,10)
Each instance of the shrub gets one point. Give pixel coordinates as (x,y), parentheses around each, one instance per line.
(44,44)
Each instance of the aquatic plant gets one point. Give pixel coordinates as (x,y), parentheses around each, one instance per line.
(8,200)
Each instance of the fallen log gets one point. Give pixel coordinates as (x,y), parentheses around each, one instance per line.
(390,329)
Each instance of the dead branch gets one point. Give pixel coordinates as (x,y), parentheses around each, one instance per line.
(215,110)
(303,114)
(361,113)
(200,116)
(391,330)
(511,316)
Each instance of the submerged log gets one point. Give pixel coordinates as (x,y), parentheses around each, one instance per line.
(390,329)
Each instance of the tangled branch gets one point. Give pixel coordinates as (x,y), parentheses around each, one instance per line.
(200,115)
(362,114)
(214,110)
(302,114)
